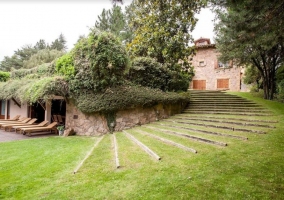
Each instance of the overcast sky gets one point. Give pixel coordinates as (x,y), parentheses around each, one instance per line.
(27,21)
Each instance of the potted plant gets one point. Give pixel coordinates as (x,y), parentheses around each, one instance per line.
(60,129)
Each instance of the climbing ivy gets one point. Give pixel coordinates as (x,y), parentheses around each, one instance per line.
(126,97)
(100,61)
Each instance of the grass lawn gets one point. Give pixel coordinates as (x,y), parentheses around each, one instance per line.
(245,169)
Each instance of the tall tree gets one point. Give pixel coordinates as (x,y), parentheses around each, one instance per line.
(41,44)
(59,43)
(103,21)
(252,33)
(116,1)
(23,54)
(162,30)
(116,20)
(41,57)
(113,21)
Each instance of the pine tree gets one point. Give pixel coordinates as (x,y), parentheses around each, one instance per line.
(113,21)
(103,21)
(59,43)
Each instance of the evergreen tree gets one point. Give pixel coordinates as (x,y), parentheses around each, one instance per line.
(103,21)
(113,21)
(59,44)
(41,57)
(252,33)
(116,20)
(24,54)
(41,44)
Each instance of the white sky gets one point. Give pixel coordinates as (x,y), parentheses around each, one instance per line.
(27,21)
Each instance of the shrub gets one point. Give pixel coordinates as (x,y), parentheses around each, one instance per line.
(100,62)
(148,72)
(65,65)
(4,76)
(178,81)
(41,57)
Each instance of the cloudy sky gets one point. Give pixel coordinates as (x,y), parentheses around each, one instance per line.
(27,21)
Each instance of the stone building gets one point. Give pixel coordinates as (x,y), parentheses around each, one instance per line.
(210,73)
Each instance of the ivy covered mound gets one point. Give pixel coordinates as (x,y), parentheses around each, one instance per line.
(97,75)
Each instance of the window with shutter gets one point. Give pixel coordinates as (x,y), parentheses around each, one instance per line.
(199,84)
(222,83)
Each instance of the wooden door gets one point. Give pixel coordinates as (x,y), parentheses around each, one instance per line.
(199,84)
(223,83)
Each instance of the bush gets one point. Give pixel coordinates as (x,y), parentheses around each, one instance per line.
(41,57)
(178,81)
(65,65)
(4,76)
(100,62)
(148,72)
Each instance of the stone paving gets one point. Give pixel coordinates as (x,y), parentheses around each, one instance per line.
(12,136)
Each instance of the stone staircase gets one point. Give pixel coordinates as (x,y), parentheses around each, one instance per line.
(221,103)
(212,118)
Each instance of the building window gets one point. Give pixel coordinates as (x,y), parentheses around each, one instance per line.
(225,64)
(201,63)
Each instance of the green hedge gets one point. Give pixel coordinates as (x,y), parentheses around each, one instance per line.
(126,97)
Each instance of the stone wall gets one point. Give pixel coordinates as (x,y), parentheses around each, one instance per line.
(96,124)
(210,72)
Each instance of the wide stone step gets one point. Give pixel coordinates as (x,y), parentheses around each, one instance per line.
(228,118)
(191,106)
(205,91)
(227,113)
(223,100)
(219,126)
(225,103)
(227,110)
(216,97)
(256,124)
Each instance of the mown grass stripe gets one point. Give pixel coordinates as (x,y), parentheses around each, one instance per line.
(207,132)
(143,146)
(87,155)
(221,127)
(190,136)
(168,141)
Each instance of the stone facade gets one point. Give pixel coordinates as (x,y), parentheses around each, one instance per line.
(208,69)
(96,124)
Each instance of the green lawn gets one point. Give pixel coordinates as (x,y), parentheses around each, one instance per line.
(245,169)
